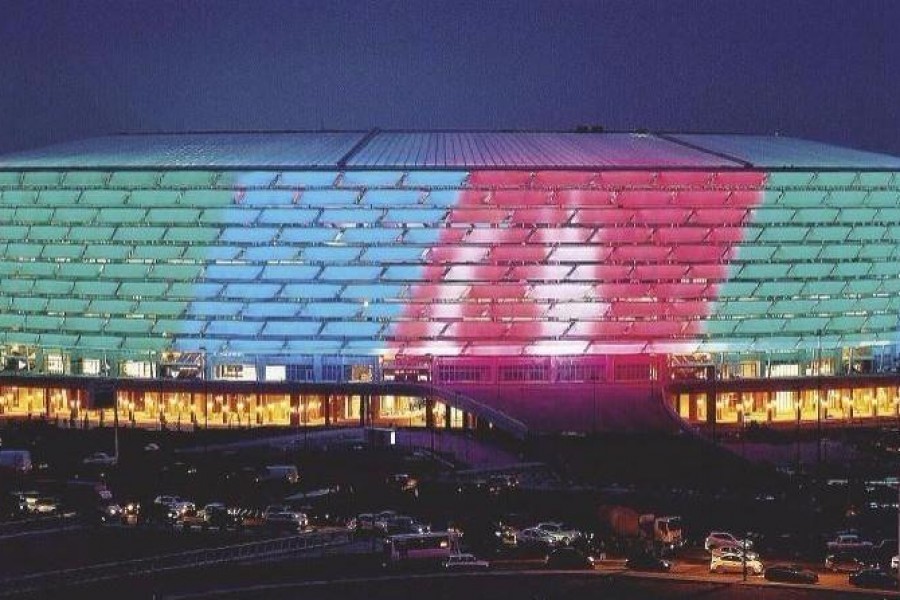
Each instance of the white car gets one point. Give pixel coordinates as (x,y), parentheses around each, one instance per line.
(895,563)
(719,550)
(561,534)
(847,541)
(99,458)
(533,535)
(717,539)
(465,562)
(166,500)
(734,563)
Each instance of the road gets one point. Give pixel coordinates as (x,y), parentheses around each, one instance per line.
(541,585)
(362,559)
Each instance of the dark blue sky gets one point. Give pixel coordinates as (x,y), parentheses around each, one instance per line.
(827,70)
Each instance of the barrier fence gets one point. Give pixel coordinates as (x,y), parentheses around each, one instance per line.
(238,553)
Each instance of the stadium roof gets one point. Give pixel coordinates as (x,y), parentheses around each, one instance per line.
(445,150)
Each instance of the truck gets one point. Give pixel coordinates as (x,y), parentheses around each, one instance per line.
(633,526)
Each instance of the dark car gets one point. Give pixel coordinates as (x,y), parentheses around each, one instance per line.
(648,562)
(791,574)
(568,558)
(848,562)
(875,578)
(219,516)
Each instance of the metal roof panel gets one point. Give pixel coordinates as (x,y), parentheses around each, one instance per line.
(477,149)
(225,150)
(777,152)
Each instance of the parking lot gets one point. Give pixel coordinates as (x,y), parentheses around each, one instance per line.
(509,507)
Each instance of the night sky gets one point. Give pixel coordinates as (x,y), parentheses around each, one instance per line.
(826,70)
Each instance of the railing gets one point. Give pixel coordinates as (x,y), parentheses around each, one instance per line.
(39,524)
(239,553)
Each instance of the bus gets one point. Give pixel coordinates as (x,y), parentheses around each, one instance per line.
(423,549)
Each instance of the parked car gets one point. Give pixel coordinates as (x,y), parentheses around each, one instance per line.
(568,558)
(506,535)
(895,563)
(403,482)
(847,541)
(874,578)
(465,562)
(190,519)
(734,563)
(848,562)
(100,459)
(287,521)
(380,520)
(167,500)
(791,574)
(26,500)
(276,508)
(111,513)
(45,506)
(751,555)
(648,562)
(558,532)
(285,473)
(535,537)
(217,515)
(248,517)
(402,524)
(717,539)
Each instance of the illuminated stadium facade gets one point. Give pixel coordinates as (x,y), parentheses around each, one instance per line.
(539,281)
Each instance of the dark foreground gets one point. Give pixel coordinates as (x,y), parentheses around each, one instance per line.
(509,585)
(352,577)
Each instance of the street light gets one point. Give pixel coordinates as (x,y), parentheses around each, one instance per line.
(206,403)
(819,399)
(797,408)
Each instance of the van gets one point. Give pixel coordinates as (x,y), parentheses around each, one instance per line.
(18,461)
(286,473)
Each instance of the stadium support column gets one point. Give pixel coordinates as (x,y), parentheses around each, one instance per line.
(429,412)
(374,408)
(711,407)
(448,417)
(327,411)
(363,409)
(294,409)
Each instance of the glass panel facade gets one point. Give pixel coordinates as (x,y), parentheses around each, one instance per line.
(464,262)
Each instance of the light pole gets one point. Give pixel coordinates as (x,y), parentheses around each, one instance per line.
(797,409)
(898,526)
(304,406)
(115,398)
(744,556)
(206,402)
(819,399)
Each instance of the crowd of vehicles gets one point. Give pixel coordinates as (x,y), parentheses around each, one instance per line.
(847,553)
(613,526)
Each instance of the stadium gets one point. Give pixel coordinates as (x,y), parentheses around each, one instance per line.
(529,281)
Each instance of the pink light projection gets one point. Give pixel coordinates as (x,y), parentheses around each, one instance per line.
(577,263)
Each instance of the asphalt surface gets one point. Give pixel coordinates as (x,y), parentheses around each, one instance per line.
(542,585)
(353,571)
